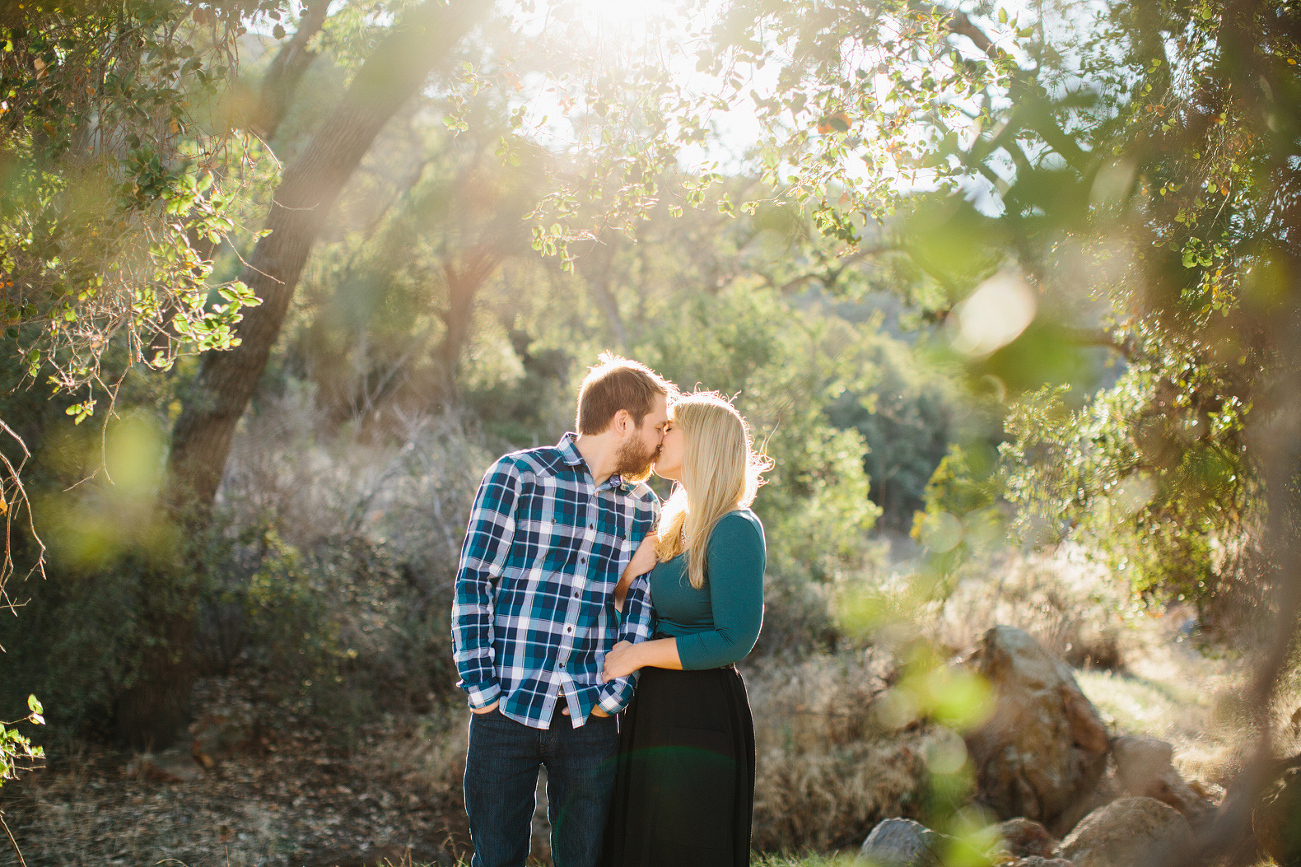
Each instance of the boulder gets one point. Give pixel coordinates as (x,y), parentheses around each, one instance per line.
(1145,768)
(1023,838)
(903,843)
(1044,746)
(1108,789)
(1130,832)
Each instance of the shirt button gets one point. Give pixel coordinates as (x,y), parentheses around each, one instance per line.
(582,559)
(562,665)
(569,629)
(575,594)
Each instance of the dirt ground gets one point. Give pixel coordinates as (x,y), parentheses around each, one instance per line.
(290,794)
(283,792)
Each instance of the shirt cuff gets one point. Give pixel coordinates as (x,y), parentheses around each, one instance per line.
(482,695)
(614,701)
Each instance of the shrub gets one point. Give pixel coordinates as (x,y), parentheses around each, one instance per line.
(327,567)
(335,569)
(1067,602)
(827,772)
(785,366)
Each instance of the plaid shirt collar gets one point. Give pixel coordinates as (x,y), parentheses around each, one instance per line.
(569,453)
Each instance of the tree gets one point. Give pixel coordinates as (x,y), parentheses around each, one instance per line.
(388,311)
(110,133)
(151,710)
(1144,152)
(111,143)
(390,76)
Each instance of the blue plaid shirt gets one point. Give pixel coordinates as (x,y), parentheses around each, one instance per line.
(533,613)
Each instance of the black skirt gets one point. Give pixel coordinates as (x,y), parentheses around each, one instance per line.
(684,790)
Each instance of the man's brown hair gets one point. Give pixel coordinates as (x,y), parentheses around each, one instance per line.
(614,384)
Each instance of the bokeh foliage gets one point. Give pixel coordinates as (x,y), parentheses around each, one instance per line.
(1087,217)
(1109,207)
(114,137)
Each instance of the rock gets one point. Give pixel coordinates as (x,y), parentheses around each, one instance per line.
(1145,768)
(1140,758)
(1130,832)
(1107,790)
(1044,747)
(903,843)
(1023,838)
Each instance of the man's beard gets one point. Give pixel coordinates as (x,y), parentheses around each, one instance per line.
(634,461)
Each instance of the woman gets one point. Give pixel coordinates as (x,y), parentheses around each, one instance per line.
(684,793)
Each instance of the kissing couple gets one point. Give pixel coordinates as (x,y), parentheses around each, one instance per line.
(596,633)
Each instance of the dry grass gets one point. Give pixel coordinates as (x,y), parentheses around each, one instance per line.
(811,860)
(410,489)
(1067,602)
(427,754)
(826,771)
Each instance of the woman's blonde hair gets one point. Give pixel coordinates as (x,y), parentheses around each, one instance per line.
(721,472)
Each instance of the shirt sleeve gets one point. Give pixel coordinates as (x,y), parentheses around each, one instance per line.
(637,625)
(737,558)
(483,554)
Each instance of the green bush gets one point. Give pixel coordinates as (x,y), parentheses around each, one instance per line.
(908,412)
(1149,474)
(340,631)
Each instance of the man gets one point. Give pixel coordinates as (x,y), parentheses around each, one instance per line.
(550,531)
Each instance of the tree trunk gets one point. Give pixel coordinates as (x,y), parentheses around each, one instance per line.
(151,710)
(463,284)
(286,70)
(149,714)
(202,436)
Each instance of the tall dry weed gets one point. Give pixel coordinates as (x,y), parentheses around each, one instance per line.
(342,551)
(427,753)
(322,483)
(1068,603)
(827,772)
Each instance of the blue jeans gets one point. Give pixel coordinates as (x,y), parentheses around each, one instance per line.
(501,778)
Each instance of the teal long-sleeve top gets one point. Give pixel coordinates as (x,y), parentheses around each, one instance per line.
(719,623)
